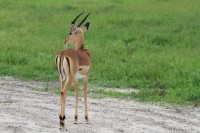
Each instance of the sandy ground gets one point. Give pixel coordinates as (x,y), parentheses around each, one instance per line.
(23,109)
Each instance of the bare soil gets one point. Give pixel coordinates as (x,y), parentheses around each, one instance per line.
(23,109)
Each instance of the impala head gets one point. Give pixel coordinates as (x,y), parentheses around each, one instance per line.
(76,32)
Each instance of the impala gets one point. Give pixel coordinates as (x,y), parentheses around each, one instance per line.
(73,64)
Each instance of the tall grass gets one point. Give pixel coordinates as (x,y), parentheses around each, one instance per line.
(152,45)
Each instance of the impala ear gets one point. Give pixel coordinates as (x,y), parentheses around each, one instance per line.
(85,27)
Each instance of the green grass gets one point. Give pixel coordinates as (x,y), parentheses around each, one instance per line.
(152,45)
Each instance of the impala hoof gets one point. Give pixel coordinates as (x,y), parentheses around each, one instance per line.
(75,119)
(87,120)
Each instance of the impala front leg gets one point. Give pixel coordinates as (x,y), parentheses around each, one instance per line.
(85,98)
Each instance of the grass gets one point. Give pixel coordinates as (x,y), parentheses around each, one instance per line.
(152,45)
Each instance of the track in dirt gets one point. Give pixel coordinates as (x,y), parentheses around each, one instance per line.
(23,109)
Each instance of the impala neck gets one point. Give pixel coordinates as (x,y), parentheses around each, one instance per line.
(79,43)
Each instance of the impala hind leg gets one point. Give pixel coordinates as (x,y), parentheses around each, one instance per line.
(85,98)
(76,106)
(62,116)
(63,103)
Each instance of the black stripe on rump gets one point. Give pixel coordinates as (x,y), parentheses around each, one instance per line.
(58,65)
(68,63)
(56,59)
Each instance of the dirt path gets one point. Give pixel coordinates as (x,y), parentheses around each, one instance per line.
(22,109)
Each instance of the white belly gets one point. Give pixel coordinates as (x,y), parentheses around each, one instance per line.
(79,76)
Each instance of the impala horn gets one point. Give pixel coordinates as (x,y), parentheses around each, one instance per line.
(83,20)
(73,22)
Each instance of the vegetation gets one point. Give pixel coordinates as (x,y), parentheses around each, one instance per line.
(152,45)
